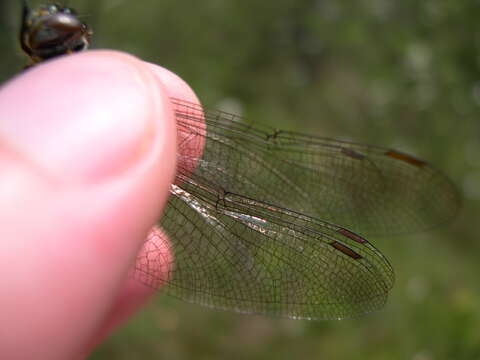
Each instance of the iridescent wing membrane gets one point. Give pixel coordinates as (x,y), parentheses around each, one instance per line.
(244,218)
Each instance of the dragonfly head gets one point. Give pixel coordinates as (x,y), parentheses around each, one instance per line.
(52,30)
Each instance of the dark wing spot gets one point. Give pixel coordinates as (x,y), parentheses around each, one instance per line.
(406,158)
(346,250)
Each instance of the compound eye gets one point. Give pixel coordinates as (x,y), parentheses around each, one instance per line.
(79,47)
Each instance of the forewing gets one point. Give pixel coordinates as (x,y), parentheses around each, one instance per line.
(371,190)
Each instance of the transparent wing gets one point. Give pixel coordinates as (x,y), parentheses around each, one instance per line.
(368,189)
(239,254)
(244,218)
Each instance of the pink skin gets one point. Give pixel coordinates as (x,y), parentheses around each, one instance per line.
(87,155)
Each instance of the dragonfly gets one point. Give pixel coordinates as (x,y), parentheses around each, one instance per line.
(266,221)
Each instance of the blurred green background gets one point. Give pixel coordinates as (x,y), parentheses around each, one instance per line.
(402,74)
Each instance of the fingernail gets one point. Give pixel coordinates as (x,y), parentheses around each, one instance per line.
(82,118)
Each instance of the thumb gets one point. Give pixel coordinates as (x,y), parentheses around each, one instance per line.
(87,154)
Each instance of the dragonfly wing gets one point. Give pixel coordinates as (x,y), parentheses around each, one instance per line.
(371,190)
(235,253)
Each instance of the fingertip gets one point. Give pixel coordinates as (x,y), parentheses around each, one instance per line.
(104,109)
(175,85)
(148,274)
(191,127)
(68,244)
